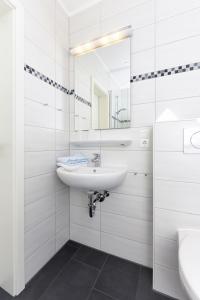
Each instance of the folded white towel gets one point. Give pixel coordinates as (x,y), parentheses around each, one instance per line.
(68,167)
(72,160)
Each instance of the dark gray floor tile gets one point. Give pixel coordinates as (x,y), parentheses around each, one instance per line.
(144,290)
(4,295)
(43,279)
(74,244)
(96,295)
(74,283)
(91,256)
(119,279)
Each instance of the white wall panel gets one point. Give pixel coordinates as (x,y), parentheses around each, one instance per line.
(46,132)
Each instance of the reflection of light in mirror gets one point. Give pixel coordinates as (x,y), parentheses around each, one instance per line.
(104,41)
(167,115)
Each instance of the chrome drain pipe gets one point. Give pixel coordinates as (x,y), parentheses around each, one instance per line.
(94,197)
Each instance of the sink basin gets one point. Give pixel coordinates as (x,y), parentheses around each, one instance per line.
(189,261)
(93,178)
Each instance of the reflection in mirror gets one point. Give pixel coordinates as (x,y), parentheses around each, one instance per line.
(102,88)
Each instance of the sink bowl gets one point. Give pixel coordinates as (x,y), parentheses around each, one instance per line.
(95,179)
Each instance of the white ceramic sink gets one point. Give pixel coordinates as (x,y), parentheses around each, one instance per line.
(95,179)
(189,261)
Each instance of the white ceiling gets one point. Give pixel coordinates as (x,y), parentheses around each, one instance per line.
(73,7)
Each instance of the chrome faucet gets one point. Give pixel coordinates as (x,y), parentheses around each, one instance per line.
(96,160)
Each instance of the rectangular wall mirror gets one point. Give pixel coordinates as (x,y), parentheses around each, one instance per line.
(102,88)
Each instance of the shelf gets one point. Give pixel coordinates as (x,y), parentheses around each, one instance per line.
(98,143)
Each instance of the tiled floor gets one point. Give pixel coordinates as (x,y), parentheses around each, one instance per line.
(81,273)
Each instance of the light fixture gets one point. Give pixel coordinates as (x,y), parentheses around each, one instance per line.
(104,41)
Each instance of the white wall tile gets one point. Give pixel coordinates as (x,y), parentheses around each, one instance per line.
(43,12)
(167,222)
(38,35)
(166,9)
(38,163)
(62,200)
(177,166)
(62,140)
(139,185)
(181,109)
(39,187)
(46,108)
(40,234)
(143,62)
(38,114)
(39,139)
(131,206)
(60,120)
(143,91)
(61,238)
(179,27)
(143,115)
(143,38)
(178,53)
(131,250)
(179,196)
(80,216)
(85,236)
(166,252)
(108,9)
(34,263)
(167,281)
(62,101)
(134,160)
(126,227)
(178,86)
(38,60)
(38,211)
(61,220)
(139,16)
(61,75)
(87,18)
(38,90)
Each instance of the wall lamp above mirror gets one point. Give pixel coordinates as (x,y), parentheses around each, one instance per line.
(102,84)
(103,41)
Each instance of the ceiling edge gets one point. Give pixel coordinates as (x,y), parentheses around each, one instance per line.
(64,7)
(79,10)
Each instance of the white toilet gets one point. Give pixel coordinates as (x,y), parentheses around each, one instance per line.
(189,261)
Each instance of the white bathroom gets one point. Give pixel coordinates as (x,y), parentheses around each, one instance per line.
(99,149)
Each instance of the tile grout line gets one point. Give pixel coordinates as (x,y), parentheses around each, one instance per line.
(105,294)
(98,275)
(138,282)
(54,279)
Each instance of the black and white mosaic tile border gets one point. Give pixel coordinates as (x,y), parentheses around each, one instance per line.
(46,79)
(166,72)
(53,83)
(77,97)
(135,78)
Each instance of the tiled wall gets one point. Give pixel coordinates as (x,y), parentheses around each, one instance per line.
(176,201)
(46,132)
(166,34)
